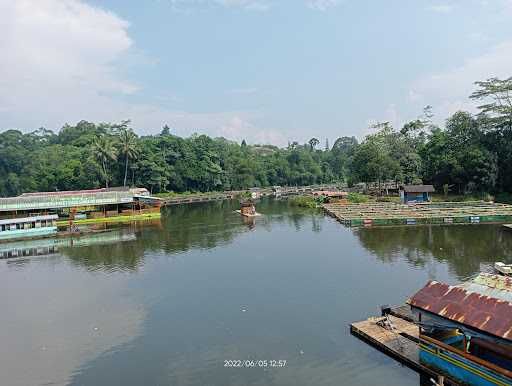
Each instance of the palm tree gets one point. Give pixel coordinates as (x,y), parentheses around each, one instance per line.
(313,142)
(128,148)
(104,151)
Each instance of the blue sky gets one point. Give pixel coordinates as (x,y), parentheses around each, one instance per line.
(268,71)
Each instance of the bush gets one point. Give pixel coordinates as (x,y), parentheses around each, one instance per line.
(304,201)
(357,198)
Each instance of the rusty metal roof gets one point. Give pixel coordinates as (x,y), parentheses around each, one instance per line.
(484,303)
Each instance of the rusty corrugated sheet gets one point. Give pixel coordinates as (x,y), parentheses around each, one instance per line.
(484,303)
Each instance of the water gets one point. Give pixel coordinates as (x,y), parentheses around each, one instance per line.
(171,301)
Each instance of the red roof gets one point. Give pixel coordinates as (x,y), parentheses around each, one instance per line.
(479,304)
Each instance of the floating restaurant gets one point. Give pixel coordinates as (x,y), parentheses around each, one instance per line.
(461,333)
(39,214)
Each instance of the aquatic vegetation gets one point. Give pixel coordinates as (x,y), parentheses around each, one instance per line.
(304,201)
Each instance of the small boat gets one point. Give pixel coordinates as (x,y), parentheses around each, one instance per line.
(247,209)
(255,214)
(502,268)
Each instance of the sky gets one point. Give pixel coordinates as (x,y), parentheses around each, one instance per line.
(268,71)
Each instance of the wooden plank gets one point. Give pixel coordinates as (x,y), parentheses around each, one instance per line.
(399,343)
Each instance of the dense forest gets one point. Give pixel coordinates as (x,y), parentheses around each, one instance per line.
(471,153)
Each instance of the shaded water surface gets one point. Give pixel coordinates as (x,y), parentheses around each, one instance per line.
(167,303)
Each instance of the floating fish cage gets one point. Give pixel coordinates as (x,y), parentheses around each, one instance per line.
(382,214)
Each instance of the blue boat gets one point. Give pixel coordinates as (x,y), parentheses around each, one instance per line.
(27,227)
(466,329)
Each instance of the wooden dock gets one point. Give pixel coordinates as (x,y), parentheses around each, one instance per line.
(198,198)
(229,195)
(397,338)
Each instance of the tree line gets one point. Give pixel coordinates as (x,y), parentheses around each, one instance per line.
(471,153)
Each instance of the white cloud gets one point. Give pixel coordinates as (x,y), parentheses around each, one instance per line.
(249,5)
(58,55)
(238,129)
(321,5)
(449,91)
(441,8)
(390,114)
(60,64)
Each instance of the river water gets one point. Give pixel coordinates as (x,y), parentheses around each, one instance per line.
(169,303)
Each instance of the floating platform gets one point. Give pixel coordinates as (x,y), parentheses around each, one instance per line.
(441,213)
(247,215)
(400,341)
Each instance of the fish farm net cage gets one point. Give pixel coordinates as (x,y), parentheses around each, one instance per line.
(380,214)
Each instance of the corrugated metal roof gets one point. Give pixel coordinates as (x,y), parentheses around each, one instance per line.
(484,303)
(419,188)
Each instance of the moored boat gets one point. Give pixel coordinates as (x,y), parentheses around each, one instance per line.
(26,227)
(458,334)
(466,329)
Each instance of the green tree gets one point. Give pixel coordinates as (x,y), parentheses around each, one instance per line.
(104,151)
(127,148)
(498,93)
(313,142)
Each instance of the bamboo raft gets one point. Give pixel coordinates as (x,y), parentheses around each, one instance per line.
(400,341)
(474,212)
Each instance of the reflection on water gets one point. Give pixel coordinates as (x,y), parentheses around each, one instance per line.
(166,303)
(49,246)
(465,248)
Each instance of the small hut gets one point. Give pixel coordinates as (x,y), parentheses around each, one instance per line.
(410,194)
(247,208)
